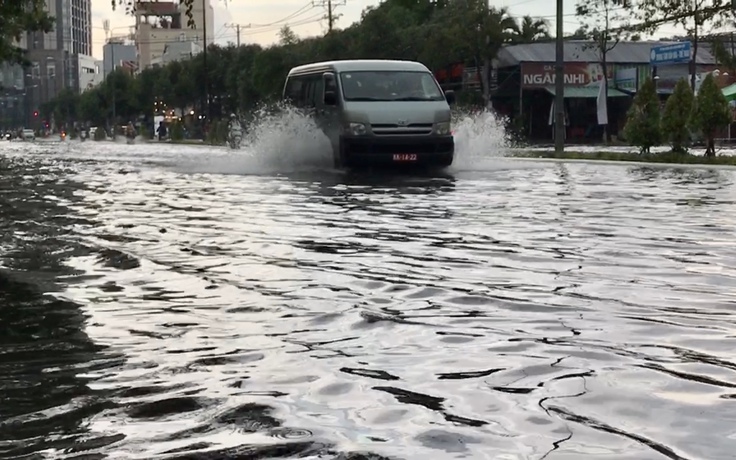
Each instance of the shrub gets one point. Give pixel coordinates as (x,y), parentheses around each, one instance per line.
(643,125)
(677,115)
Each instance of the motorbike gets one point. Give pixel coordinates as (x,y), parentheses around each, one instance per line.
(130,137)
(234,140)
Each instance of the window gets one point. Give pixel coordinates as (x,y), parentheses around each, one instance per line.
(293,90)
(304,90)
(390,86)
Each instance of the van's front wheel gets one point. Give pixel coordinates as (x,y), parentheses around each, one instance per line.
(338,156)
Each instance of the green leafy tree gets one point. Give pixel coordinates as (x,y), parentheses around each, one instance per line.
(65,107)
(676,118)
(643,125)
(531,30)
(176,133)
(495,27)
(16,18)
(287,36)
(711,113)
(606,23)
(92,107)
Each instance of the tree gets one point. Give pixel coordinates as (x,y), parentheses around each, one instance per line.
(16,18)
(482,42)
(530,30)
(692,15)
(711,113)
(676,118)
(643,127)
(606,23)
(287,36)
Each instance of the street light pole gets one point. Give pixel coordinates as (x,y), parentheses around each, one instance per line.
(112,85)
(559,84)
(205,77)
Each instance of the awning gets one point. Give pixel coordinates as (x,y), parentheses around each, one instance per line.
(575,92)
(729,92)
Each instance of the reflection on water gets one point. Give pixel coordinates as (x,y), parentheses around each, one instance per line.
(44,396)
(542,311)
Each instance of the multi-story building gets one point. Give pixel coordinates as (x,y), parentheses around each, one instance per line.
(12,94)
(55,56)
(177,51)
(90,72)
(158,23)
(116,51)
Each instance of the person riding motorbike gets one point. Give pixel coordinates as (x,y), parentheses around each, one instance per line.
(235,130)
(130,130)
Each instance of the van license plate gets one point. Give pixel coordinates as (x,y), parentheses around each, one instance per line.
(405,157)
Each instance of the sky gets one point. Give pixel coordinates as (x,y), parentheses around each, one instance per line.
(266,17)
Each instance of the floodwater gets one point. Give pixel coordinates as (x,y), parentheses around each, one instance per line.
(161,302)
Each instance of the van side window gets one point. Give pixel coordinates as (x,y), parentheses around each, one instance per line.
(314,93)
(294,91)
(305,91)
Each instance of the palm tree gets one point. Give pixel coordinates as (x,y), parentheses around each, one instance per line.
(530,30)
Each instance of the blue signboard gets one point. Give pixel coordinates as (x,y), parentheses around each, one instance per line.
(678,53)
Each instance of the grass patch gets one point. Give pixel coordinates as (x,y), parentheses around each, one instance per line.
(660,157)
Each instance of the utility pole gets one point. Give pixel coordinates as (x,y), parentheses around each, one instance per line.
(205,4)
(330,5)
(114,81)
(237,29)
(559,83)
(329,16)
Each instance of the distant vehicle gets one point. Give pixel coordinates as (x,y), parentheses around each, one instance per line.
(376,112)
(8,136)
(235,140)
(29,134)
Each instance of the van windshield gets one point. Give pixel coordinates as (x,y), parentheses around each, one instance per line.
(390,86)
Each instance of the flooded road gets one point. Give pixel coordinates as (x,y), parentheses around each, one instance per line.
(157,305)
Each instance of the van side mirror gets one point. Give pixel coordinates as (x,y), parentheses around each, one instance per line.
(330,86)
(450,96)
(330,98)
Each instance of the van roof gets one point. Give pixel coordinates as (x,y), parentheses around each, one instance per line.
(358,65)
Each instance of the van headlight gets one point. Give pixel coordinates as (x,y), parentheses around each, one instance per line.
(442,129)
(357,129)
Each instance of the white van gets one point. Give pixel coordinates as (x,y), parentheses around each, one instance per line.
(376,112)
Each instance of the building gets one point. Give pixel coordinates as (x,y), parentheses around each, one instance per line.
(177,51)
(90,74)
(12,94)
(54,56)
(158,23)
(525,84)
(116,51)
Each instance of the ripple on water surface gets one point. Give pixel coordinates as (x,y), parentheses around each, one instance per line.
(557,311)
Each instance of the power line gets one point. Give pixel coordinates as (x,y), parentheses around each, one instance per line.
(330,5)
(237,28)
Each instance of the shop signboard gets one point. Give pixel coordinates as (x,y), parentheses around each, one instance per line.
(627,79)
(541,75)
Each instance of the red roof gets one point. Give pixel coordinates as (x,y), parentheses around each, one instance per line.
(156,7)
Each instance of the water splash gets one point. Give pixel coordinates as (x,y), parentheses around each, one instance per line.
(481,141)
(281,139)
(277,139)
